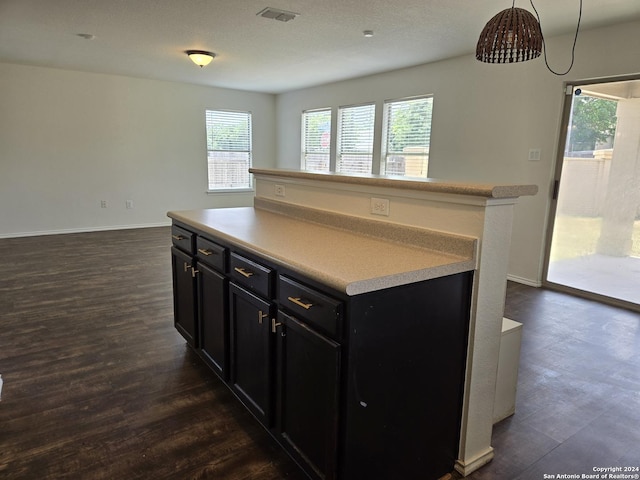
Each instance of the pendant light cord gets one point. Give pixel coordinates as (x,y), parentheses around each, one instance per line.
(573,49)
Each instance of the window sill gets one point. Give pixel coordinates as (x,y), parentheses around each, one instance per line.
(227,191)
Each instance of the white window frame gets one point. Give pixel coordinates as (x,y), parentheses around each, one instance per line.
(234,158)
(413,160)
(347,140)
(313,147)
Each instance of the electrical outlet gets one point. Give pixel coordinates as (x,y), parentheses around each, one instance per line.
(103,204)
(280,191)
(380,206)
(129,204)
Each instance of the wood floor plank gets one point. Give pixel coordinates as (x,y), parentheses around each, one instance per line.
(98,384)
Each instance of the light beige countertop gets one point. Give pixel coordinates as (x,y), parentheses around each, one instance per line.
(407,183)
(348,261)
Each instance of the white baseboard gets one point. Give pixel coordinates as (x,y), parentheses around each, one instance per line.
(525,281)
(467,468)
(83,230)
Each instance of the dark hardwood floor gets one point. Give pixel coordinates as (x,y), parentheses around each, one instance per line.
(99,385)
(97,382)
(578,398)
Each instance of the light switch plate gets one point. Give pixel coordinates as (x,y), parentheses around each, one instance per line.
(534,155)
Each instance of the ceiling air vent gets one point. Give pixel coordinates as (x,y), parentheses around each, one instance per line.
(276,14)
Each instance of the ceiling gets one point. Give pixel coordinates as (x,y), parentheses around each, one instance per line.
(325,43)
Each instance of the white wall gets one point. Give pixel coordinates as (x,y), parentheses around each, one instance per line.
(69,140)
(485,120)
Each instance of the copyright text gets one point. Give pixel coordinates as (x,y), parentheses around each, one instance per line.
(599,473)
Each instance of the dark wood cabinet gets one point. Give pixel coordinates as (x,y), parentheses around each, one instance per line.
(352,387)
(308,396)
(184,295)
(251,344)
(407,357)
(214,319)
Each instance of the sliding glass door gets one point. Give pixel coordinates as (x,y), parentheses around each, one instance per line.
(595,242)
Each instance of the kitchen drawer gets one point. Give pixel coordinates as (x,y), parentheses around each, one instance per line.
(310,305)
(183,239)
(256,277)
(211,254)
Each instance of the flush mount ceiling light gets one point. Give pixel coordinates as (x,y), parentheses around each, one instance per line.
(200,57)
(515,35)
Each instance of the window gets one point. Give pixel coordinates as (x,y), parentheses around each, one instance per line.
(407,135)
(316,139)
(228,149)
(402,140)
(355,139)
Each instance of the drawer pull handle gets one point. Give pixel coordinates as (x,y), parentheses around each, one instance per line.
(194,272)
(261,316)
(243,272)
(187,266)
(274,325)
(298,301)
(178,237)
(206,253)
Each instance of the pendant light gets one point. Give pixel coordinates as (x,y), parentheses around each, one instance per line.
(515,35)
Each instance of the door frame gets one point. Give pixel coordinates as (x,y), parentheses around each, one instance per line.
(569,89)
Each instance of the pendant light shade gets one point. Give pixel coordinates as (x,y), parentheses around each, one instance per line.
(513,35)
(200,57)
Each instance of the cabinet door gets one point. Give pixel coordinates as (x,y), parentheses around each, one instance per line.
(184,296)
(214,335)
(308,379)
(251,351)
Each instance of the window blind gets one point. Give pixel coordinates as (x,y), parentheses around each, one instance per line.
(228,149)
(355,142)
(407,136)
(316,139)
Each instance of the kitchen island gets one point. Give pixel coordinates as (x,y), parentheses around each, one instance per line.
(348,337)
(346,260)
